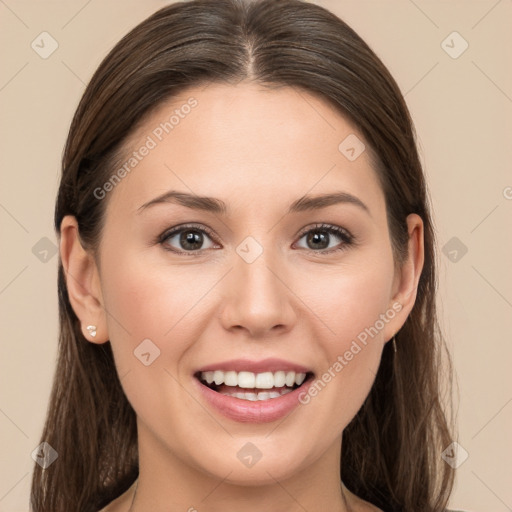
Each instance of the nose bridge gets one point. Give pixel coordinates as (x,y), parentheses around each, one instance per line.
(257,299)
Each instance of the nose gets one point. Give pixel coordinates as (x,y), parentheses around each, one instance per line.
(257,298)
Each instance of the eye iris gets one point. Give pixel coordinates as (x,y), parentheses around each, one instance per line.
(319,236)
(191,239)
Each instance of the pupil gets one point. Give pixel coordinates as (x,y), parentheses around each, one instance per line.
(319,236)
(189,239)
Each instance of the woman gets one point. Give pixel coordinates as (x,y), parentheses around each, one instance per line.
(247,276)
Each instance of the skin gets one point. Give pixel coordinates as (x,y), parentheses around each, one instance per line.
(258,150)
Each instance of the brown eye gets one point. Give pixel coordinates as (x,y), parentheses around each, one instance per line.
(320,237)
(186,239)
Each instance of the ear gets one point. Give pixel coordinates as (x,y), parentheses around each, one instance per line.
(83,283)
(405,285)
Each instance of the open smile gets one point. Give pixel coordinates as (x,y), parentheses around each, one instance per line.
(253,396)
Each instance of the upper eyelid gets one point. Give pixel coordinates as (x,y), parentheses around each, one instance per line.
(182,227)
(324,225)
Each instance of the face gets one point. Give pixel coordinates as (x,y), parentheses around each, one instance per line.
(263,284)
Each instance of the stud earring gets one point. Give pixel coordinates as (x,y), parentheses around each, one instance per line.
(91,329)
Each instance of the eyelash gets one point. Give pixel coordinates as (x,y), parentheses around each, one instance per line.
(347,238)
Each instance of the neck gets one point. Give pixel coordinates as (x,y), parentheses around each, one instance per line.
(167,483)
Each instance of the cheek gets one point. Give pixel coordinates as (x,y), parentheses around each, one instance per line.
(363,300)
(149,302)
(351,304)
(349,301)
(153,318)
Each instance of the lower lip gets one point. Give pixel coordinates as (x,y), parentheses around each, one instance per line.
(246,411)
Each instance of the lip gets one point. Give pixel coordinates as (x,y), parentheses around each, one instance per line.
(245,411)
(264,365)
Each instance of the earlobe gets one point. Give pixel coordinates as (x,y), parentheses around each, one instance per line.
(407,279)
(82,280)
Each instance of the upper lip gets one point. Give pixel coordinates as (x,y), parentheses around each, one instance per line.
(261,366)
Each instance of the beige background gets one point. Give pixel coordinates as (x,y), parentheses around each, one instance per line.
(463,113)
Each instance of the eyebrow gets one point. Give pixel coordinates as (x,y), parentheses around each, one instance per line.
(217,206)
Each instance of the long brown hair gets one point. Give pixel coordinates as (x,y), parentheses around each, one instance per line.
(391,449)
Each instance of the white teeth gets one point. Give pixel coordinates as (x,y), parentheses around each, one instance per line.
(264,380)
(262,395)
(218,377)
(246,380)
(290,379)
(299,378)
(249,380)
(279,379)
(230,379)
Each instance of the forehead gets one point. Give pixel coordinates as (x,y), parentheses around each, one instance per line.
(238,141)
